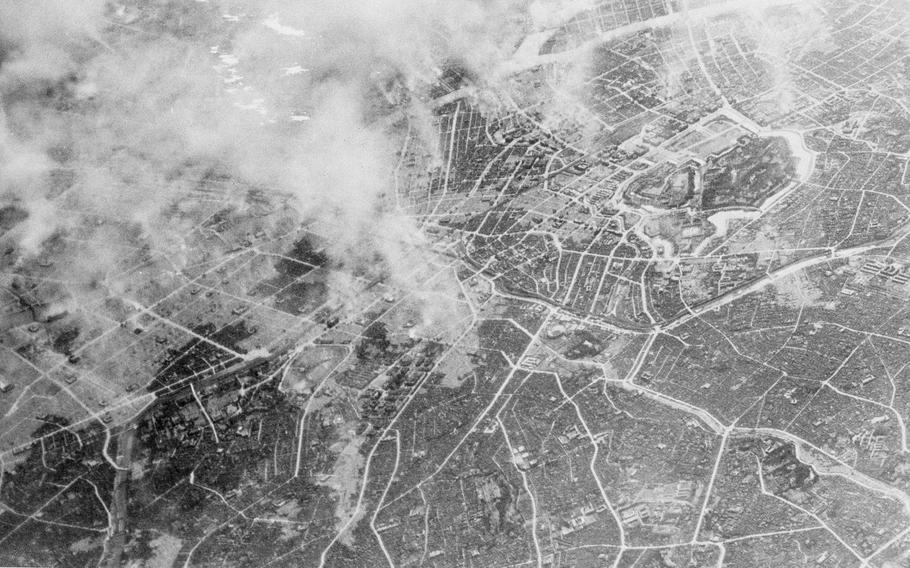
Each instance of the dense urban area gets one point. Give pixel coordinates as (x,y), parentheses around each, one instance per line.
(657,317)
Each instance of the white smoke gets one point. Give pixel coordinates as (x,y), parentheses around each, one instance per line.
(136,102)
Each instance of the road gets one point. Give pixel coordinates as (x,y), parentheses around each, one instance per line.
(118,517)
(783,272)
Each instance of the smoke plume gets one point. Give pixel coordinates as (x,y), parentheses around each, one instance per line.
(114,114)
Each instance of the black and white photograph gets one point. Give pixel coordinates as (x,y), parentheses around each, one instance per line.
(454,283)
